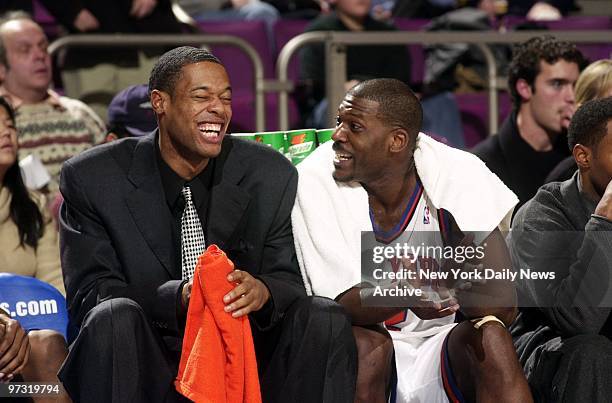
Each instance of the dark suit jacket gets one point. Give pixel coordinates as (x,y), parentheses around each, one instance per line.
(116,227)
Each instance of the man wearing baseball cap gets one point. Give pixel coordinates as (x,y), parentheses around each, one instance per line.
(130,113)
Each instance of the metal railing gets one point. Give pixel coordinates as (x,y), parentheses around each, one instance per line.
(335,57)
(137,40)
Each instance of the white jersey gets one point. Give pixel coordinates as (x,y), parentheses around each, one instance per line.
(418,343)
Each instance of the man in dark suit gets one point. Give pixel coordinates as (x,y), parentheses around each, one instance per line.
(123,251)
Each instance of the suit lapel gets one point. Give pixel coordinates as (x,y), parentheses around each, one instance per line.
(148,206)
(228,201)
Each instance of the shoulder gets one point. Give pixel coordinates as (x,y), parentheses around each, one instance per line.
(488,147)
(548,209)
(374,25)
(80,109)
(100,159)
(323,23)
(259,159)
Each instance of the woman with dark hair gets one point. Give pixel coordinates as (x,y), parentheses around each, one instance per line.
(29,239)
(30,248)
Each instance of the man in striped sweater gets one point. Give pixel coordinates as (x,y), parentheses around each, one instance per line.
(51,127)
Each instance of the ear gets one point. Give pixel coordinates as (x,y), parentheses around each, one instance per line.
(111,137)
(399,140)
(159,100)
(524,89)
(582,155)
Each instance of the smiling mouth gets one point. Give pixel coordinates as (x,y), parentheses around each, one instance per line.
(341,157)
(210,130)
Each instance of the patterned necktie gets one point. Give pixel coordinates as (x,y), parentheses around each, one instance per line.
(192,235)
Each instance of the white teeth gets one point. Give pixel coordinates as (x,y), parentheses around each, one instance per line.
(338,157)
(209,127)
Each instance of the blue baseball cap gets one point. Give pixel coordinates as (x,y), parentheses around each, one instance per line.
(131,110)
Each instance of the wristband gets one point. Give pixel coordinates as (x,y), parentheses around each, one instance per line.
(489,318)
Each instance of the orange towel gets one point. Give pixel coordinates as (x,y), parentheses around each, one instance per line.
(218,363)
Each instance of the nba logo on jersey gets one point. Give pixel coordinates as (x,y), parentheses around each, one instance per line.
(426,215)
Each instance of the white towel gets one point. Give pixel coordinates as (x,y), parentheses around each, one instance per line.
(328,216)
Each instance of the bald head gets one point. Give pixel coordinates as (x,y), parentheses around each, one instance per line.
(398,106)
(25,64)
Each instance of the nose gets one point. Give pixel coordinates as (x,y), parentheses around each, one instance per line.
(570,94)
(339,135)
(215,106)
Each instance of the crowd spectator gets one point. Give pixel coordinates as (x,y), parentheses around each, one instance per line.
(362,62)
(594,82)
(562,333)
(30,248)
(130,113)
(532,140)
(51,127)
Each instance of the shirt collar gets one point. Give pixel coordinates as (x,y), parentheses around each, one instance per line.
(52,98)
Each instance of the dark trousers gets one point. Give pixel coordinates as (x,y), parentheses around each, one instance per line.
(572,370)
(310,356)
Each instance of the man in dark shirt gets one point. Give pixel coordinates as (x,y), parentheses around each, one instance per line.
(130,208)
(563,330)
(362,62)
(532,140)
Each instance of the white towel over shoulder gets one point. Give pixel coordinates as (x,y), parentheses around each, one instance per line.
(328,216)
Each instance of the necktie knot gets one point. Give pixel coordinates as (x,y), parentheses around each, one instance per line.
(186,193)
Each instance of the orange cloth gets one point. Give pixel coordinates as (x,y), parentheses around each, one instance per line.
(218,362)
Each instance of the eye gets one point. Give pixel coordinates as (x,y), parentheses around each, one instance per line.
(338,120)
(355,126)
(557,84)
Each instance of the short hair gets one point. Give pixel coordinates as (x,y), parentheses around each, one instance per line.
(594,81)
(168,68)
(526,57)
(589,124)
(4,18)
(398,106)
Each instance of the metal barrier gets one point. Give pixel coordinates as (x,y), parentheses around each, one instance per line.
(131,40)
(335,57)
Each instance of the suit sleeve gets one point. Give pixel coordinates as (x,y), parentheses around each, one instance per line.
(92,270)
(280,271)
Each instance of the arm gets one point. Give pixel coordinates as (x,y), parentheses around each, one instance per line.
(491,297)
(279,267)
(92,270)
(48,268)
(14,347)
(541,241)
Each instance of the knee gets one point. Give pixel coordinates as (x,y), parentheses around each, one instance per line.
(373,343)
(326,319)
(110,315)
(47,343)
(592,351)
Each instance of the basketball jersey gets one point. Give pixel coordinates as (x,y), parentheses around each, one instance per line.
(422,226)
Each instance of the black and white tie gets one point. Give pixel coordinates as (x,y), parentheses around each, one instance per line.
(192,235)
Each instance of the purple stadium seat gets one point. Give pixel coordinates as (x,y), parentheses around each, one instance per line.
(474,110)
(240,70)
(417,53)
(45,20)
(284,31)
(586,23)
(574,23)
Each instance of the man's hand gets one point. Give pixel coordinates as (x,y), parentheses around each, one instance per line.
(186,293)
(604,207)
(248,296)
(14,348)
(142,8)
(86,21)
